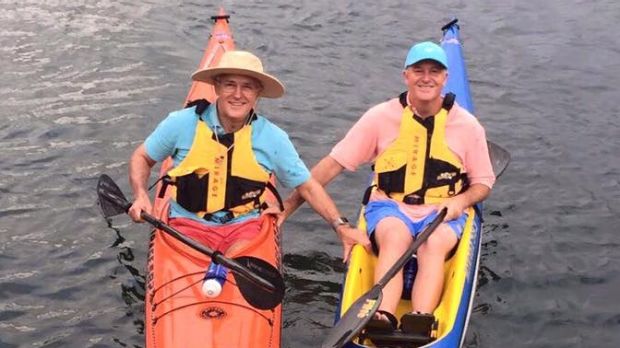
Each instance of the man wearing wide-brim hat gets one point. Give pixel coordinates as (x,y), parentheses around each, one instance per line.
(225,156)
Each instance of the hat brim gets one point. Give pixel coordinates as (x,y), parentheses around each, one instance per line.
(443,64)
(272,87)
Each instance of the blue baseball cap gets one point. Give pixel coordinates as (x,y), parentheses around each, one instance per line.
(426,50)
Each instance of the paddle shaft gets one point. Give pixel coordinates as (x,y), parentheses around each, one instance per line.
(215,256)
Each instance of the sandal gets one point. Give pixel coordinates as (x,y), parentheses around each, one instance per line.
(417,323)
(378,324)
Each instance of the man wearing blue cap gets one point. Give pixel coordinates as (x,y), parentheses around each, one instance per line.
(428,153)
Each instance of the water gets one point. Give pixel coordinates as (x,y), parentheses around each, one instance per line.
(84,82)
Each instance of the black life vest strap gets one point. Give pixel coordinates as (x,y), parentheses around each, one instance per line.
(367,193)
(448,101)
(220,219)
(165,181)
(200,104)
(275,192)
(402,98)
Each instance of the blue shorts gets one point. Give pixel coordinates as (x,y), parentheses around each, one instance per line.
(379,210)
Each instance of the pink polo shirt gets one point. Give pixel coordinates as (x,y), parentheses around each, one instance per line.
(379,127)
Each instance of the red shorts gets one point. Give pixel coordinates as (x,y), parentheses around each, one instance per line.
(217,237)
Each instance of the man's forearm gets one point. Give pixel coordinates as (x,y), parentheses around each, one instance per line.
(323,172)
(319,200)
(474,194)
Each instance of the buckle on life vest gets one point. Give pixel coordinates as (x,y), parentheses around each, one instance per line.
(452,189)
(413,199)
(220,219)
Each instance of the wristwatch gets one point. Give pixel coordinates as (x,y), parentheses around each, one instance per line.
(341,221)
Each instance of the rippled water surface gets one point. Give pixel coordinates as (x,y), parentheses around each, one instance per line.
(83,83)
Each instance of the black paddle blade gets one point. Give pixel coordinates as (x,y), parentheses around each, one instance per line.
(499,158)
(111,198)
(256,295)
(356,317)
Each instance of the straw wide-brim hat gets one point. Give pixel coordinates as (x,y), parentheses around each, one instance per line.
(246,64)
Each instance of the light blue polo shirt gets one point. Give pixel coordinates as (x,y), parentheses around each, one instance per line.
(271,145)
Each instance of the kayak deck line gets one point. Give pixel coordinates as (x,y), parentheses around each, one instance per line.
(189,286)
(269,320)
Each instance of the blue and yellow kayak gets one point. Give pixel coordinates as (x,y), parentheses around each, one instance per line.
(461,269)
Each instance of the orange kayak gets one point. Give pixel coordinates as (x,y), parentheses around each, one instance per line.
(178,314)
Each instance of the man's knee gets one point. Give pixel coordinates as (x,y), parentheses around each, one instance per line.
(392,232)
(440,242)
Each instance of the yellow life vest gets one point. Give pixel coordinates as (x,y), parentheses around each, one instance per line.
(220,173)
(418,167)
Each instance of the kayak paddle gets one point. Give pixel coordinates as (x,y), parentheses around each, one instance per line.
(499,158)
(259,282)
(362,310)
